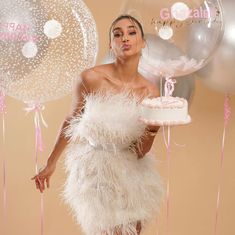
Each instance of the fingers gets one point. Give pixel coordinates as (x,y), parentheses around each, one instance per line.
(40,179)
(40,182)
(33,178)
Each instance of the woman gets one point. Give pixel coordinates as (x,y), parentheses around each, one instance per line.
(112,186)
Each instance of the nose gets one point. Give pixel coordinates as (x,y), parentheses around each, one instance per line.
(124,38)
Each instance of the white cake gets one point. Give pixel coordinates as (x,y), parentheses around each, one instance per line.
(165,110)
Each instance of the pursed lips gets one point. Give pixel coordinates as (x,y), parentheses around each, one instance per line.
(126,47)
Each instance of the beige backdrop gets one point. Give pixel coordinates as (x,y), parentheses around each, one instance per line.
(194,164)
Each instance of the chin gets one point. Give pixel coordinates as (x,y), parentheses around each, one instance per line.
(128,55)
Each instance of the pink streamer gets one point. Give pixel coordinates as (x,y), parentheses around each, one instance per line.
(3,112)
(227,115)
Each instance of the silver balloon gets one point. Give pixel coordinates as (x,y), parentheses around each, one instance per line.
(219,74)
(44,45)
(172,21)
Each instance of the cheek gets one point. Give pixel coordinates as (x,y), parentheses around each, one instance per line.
(115,44)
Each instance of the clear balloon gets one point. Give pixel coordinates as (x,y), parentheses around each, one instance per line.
(219,74)
(161,50)
(44,45)
(184,86)
(172,21)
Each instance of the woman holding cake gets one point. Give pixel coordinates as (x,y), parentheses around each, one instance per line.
(112,185)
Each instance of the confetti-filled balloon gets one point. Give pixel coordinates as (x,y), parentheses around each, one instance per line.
(44,45)
(172,21)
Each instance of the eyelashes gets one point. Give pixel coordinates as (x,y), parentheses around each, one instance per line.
(117,35)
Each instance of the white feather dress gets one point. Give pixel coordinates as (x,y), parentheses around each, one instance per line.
(107,187)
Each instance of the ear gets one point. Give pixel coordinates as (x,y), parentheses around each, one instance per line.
(110,45)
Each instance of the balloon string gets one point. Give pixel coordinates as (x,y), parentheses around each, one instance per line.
(42,214)
(38,119)
(227,115)
(167,143)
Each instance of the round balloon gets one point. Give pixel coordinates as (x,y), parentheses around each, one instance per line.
(184,86)
(172,21)
(44,45)
(219,74)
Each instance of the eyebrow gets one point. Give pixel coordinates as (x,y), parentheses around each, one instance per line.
(129,27)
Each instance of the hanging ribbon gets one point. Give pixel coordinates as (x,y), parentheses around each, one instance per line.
(3,112)
(38,119)
(37,108)
(167,143)
(227,115)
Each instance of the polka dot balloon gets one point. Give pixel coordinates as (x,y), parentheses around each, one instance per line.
(44,45)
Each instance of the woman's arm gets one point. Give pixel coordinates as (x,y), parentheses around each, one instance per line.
(144,144)
(77,108)
(81,89)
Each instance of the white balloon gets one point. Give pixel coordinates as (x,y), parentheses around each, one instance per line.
(165,32)
(29,50)
(52,29)
(180,11)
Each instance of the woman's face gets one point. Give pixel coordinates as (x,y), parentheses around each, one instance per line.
(126,39)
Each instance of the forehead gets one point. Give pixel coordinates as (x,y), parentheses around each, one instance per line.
(125,24)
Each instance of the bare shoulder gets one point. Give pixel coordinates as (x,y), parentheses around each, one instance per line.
(92,78)
(153,90)
(89,76)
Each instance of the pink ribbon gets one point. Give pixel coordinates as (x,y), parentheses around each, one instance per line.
(227,115)
(169,86)
(3,112)
(38,119)
(167,143)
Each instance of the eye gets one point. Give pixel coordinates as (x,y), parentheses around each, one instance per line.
(132,33)
(117,35)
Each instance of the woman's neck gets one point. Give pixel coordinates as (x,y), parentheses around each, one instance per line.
(126,70)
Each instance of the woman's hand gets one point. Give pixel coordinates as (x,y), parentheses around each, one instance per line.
(44,175)
(153,128)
